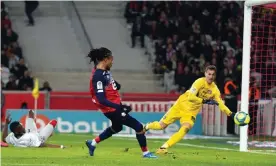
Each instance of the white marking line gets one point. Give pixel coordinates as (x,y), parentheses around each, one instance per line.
(217,148)
(193,145)
(31,164)
(187,137)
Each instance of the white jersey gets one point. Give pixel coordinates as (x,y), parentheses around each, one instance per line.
(31,139)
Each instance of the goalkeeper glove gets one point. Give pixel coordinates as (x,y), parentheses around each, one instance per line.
(232,115)
(211,102)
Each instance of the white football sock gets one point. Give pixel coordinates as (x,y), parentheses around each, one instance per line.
(94,143)
(146,152)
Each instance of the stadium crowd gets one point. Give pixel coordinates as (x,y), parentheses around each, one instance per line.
(15,74)
(189,36)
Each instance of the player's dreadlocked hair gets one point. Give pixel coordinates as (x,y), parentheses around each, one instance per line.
(13,125)
(98,54)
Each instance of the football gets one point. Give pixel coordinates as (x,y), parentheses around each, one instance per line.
(241,118)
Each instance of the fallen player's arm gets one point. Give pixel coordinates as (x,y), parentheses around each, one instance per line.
(98,84)
(51,145)
(5,128)
(221,104)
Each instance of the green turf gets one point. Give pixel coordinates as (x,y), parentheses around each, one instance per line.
(113,152)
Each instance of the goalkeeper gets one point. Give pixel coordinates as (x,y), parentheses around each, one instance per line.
(187,106)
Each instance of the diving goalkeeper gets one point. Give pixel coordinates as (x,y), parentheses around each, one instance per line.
(188,105)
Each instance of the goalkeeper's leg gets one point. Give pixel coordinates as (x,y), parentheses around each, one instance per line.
(187,122)
(167,119)
(185,128)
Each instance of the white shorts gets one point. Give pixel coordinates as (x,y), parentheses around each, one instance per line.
(43,134)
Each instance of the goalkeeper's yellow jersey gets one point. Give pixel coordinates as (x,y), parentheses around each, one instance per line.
(191,100)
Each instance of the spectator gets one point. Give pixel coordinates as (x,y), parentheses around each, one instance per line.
(13,66)
(10,36)
(16,49)
(13,60)
(46,87)
(26,82)
(30,7)
(222,75)
(11,85)
(203,33)
(153,31)
(6,22)
(158,69)
(138,29)
(24,105)
(5,74)
(20,68)
(169,79)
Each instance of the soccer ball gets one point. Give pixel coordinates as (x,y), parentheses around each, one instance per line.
(241,118)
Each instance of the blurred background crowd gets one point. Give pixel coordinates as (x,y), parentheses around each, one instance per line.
(185,37)
(15,74)
(191,35)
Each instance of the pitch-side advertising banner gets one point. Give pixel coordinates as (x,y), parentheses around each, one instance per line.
(77,121)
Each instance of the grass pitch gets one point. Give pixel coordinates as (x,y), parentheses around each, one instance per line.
(126,152)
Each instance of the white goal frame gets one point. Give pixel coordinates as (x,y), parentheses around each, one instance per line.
(246,64)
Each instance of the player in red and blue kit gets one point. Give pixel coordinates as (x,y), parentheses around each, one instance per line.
(105,95)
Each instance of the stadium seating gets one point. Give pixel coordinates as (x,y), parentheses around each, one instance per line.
(14,71)
(187,36)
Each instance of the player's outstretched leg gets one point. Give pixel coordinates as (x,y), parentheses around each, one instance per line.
(166,120)
(155,126)
(140,135)
(91,144)
(174,138)
(48,130)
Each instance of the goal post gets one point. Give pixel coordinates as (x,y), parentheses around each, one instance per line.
(247,34)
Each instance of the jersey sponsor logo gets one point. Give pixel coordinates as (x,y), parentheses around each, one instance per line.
(41,121)
(209,91)
(99,85)
(193,90)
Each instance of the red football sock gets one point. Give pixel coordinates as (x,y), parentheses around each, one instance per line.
(144,149)
(53,123)
(97,139)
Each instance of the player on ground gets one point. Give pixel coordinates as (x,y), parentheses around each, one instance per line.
(187,106)
(105,95)
(29,137)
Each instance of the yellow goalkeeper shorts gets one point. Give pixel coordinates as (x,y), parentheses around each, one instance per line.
(176,114)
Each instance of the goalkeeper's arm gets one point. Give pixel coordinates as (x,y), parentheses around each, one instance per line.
(222,106)
(192,92)
(193,98)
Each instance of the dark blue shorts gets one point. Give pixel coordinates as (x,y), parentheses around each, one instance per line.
(118,120)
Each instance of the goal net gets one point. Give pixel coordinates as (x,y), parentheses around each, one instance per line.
(259,76)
